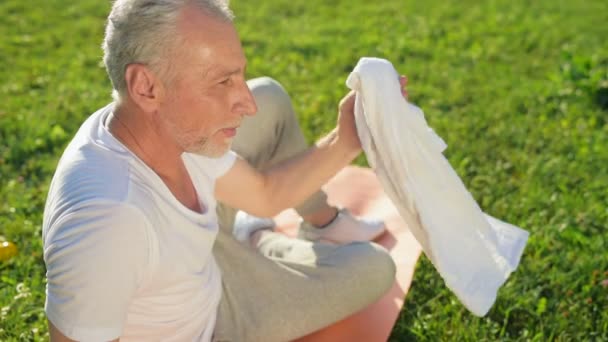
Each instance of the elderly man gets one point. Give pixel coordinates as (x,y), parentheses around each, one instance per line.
(135,246)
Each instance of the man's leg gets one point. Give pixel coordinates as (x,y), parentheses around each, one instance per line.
(285,288)
(288,288)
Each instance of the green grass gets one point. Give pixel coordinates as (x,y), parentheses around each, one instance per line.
(519,91)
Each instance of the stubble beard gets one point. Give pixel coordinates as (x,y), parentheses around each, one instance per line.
(206,148)
(203,146)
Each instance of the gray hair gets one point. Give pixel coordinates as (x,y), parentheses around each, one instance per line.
(144,31)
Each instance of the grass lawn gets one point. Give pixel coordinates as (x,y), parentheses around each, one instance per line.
(518,90)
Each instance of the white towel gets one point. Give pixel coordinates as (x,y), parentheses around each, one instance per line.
(472,251)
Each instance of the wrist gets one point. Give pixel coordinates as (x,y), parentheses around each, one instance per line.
(344,150)
(348,144)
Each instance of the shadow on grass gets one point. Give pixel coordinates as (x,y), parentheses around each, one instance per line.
(601,98)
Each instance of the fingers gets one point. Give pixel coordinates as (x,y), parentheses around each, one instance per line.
(347,104)
(403,83)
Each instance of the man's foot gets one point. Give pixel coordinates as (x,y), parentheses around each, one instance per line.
(344,228)
(245,225)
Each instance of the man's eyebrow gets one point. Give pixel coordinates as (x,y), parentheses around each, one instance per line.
(234,71)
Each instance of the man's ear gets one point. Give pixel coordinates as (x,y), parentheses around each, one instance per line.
(144,87)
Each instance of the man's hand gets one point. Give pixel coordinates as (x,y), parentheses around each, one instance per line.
(346,129)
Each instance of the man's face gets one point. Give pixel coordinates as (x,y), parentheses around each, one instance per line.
(207,97)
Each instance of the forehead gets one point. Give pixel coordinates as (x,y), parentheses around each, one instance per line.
(209,41)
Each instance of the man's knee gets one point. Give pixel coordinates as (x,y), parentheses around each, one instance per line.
(266,86)
(270,96)
(377,264)
(373,265)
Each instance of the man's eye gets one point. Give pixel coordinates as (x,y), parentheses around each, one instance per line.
(225,82)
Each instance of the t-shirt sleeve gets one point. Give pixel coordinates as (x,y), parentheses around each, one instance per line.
(96,257)
(224,163)
(214,168)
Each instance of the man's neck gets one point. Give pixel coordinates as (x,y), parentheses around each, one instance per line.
(148,139)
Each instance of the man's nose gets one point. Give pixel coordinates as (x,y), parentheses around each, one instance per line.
(247,101)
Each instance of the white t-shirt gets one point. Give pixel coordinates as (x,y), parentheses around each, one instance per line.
(124,257)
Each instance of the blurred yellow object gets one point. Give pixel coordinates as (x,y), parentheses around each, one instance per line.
(7,250)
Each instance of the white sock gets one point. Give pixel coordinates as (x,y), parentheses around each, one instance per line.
(246,224)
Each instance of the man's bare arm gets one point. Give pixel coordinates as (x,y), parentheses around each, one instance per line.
(286,184)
